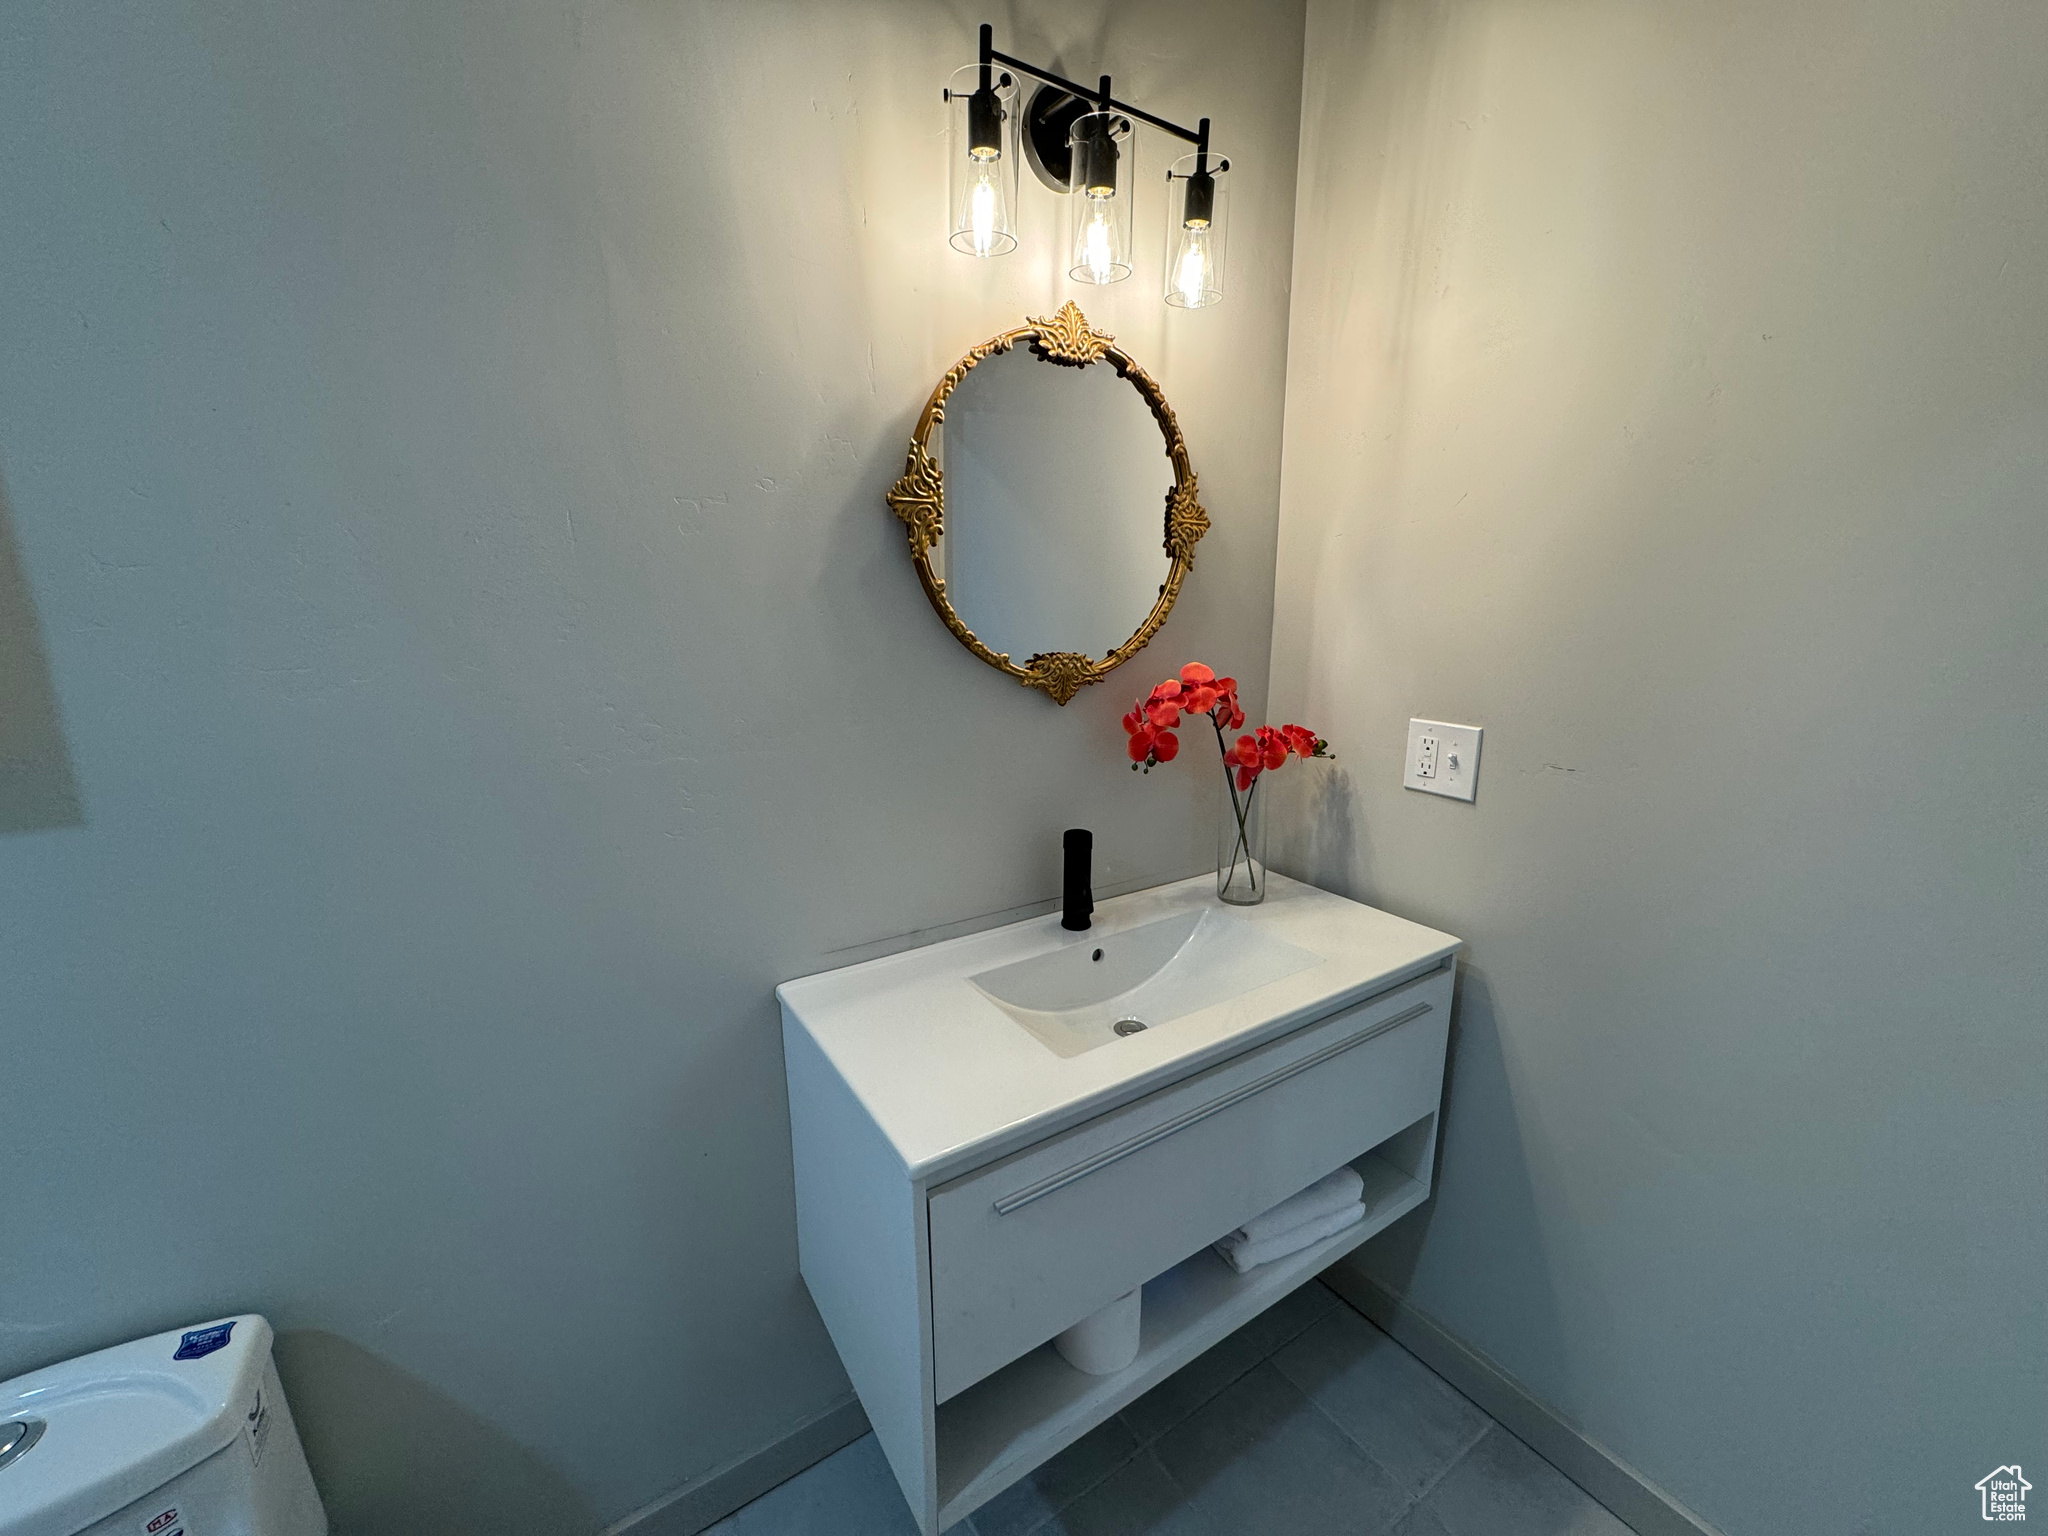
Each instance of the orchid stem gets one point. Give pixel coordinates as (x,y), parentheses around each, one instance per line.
(1241,811)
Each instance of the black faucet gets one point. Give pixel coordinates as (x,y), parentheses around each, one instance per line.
(1077,897)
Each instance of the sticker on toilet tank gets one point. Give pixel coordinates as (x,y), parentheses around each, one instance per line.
(165,1524)
(201,1342)
(257,1425)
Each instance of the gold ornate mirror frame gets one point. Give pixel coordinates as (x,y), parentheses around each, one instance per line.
(919,498)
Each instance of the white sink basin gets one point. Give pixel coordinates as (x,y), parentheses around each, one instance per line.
(970,1048)
(1090,995)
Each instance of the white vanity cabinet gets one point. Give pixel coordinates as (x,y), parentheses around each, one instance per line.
(964,1192)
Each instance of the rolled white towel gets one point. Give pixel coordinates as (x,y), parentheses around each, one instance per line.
(1242,1256)
(1329,1194)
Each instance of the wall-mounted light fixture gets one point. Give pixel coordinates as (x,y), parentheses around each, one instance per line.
(984,161)
(1099,195)
(1196,223)
(1082,143)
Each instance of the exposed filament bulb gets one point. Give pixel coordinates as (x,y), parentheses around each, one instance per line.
(982,211)
(1097,250)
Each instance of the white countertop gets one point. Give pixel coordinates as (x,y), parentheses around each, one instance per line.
(954,1082)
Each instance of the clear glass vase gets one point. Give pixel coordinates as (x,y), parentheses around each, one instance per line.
(1241,843)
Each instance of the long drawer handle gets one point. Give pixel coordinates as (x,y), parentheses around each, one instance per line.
(1181,1122)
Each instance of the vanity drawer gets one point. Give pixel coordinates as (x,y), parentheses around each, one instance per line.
(1032,1244)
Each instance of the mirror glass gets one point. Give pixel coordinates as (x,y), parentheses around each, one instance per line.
(1056,483)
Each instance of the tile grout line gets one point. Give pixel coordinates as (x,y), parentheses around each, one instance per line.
(1143,1447)
(1449,1385)
(1187,1498)
(1364,1450)
(1233,1381)
(1458,1460)
(1664,1504)
(1435,1482)
(1138,1449)
(1486,1428)
(1353,1441)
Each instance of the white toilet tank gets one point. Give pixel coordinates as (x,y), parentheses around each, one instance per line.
(183,1434)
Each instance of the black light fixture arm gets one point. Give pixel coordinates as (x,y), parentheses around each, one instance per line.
(1199,137)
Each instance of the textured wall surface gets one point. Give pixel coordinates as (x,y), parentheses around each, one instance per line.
(444,448)
(1668,394)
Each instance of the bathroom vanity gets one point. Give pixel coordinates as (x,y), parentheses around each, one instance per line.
(988,1151)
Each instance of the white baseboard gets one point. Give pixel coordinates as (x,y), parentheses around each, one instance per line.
(707,1500)
(1633,1499)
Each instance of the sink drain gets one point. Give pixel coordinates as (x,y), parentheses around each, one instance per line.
(1128,1026)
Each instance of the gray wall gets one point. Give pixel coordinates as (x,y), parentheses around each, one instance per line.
(470,663)
(1668,394)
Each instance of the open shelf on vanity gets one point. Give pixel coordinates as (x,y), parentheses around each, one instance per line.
(1004,1425)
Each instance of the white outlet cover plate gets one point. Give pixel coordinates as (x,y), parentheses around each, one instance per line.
(1457,759)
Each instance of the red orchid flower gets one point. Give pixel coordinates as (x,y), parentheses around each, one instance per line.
(1151,742)
(1231,714)
(1248,760)
(1272,748)
(1199,691)
(1304,742)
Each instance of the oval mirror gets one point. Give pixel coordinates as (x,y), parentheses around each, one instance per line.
(1050,504)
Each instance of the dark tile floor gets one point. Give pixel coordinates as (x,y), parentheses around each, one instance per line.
(1308,1421)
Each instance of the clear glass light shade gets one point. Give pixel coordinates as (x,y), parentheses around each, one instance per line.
(1197,226)
(983,154)
(1104,147)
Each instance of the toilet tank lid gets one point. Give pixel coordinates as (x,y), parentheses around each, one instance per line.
(120,1423)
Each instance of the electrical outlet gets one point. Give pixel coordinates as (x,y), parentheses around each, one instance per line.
(1443,759)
